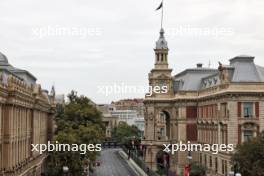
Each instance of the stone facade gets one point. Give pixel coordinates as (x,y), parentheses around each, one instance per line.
(202,106)
(26,117)
(130,104)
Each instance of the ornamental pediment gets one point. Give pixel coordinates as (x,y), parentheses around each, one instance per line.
(163,76)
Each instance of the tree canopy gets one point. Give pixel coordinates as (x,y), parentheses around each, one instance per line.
(123,133)
(79,122)
(249,157)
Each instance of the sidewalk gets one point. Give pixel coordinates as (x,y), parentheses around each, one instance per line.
(132,164)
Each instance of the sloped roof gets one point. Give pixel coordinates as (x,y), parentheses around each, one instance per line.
(241,69)
(245,69)
(4,64)
(190,79)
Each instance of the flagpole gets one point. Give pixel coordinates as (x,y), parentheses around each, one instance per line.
(162,14)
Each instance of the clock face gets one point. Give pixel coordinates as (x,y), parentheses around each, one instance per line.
(162,83)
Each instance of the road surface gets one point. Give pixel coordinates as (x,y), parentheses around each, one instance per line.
(112,164)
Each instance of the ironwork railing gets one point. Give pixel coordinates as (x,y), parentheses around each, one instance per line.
(133,154)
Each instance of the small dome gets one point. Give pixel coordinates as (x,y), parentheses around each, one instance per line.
(3,58)
(161,43)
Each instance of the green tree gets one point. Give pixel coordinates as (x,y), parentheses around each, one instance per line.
(249,157)
(79,122)
(123,133)
(197,169)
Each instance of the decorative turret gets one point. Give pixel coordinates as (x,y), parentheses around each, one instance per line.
(162,43)
(160,75)
(161,52)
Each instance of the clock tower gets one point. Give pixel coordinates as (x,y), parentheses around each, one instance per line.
(160,75)
(158,110)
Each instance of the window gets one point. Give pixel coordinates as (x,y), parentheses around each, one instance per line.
(248,135)
(162,132)
(248,110)
(223,167)
(205,160)
(211,162)
(162,117)
(216,165)
(223,109)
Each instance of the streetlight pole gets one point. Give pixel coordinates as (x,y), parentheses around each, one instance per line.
(65,170)
(235,172)
(189,157)
(151,155)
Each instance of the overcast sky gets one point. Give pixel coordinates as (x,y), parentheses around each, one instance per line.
(83,44)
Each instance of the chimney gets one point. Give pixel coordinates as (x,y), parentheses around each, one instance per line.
(199,65)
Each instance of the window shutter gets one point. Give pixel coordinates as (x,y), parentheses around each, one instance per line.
(239,109)
(191,130)
(191,112)
(257,109)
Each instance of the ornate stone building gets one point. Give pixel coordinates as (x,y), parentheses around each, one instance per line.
(135,104)
(26,117)
(204,106)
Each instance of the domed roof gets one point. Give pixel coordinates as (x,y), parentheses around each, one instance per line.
(3,58)
(162,43)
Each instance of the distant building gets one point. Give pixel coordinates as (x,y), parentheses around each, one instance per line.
(109,120)
(128,116)
(130,104)
(128,111)
(26,118)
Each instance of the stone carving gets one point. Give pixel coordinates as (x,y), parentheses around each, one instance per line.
(224,76)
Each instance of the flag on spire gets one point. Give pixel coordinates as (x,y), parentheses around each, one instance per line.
(160,6)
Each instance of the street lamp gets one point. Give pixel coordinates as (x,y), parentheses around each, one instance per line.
(65,170)
(236,169)
(189,157)
(232,173)
(188,167)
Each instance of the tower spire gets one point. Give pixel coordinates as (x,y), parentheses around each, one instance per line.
(161,50)
(162,43)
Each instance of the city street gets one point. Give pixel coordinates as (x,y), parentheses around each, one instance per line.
(112,164)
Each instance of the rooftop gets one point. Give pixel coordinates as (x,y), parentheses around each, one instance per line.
(241,69)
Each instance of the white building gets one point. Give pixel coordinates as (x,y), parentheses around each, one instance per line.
(128,116)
